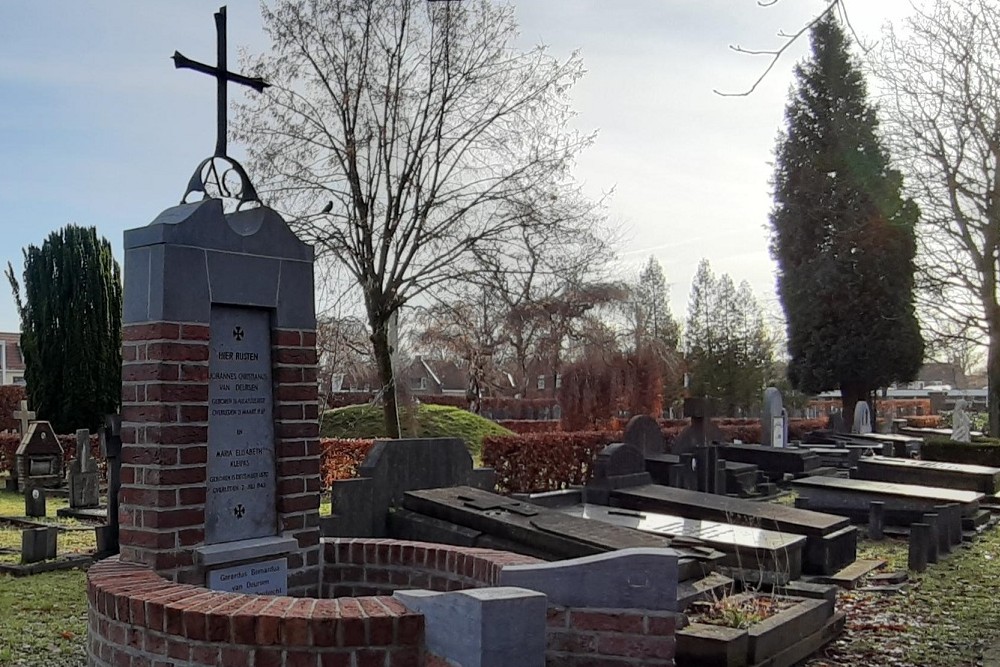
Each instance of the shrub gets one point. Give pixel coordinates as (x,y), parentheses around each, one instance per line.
(925,421)
(11,396)
(983,451)
(340,458)
(544,461)
(531,425)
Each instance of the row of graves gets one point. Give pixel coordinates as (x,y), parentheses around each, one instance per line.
(224,558)
(39,474)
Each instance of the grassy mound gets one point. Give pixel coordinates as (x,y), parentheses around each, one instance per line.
(427,421)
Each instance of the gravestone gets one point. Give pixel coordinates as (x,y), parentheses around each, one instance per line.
(960,423)
(862,418)
(83,475)
(361,506)
(38,544)
(24,418)
(773,420)
(617,465)
(111,449)
(702,430)
(39,457)
(34,502)
(835,422)
(643,432)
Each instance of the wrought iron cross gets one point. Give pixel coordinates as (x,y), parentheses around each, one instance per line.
(222,76)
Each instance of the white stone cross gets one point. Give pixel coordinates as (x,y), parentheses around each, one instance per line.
(24,416)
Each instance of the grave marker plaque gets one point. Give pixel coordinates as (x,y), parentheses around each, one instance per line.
(268,577)
(240,498)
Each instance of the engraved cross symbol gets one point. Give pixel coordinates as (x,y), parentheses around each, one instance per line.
(239,511)
(238,333)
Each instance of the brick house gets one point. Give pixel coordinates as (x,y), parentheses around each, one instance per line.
(11,359)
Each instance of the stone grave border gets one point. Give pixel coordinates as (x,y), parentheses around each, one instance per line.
(139,617)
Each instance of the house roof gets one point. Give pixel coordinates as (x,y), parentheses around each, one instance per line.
(13,343)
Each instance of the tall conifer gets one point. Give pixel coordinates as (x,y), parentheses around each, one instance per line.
(71,328)
(843,235)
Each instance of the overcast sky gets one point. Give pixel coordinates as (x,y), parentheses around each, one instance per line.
(98,128)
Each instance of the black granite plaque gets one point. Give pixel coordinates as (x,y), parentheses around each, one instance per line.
(240,500)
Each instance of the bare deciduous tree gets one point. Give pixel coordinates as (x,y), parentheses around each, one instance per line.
(941,110)
(417,128)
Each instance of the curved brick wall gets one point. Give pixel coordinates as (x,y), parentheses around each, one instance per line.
(379,567)
(140,619)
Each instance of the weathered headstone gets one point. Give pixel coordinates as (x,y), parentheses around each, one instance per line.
(34,502)
(702,430)
(361,505)
(38,544)
(39,457)
(24,416)
(111,449)
(83,475)
(643,432)
(773,420)
(862,418)
(960,424)
(835,422)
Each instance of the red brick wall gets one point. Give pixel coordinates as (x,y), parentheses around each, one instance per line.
(165,448)
(379,567)
(610,637)
(139,619)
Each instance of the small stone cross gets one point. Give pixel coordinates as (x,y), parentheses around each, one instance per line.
(24,416)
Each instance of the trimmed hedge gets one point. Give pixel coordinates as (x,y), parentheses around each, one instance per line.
(983,452)
(538,462)
(523,426)
(925,421)
(544,461)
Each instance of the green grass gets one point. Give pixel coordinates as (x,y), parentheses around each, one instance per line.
(430,421)
(43,619)
(69,541)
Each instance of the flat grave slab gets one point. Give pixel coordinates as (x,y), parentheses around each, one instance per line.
(981,479)
(771,459)
(831,540)
(832,494)
(541,529)
(745,547)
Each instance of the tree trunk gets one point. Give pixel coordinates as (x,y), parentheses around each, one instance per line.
(383,361)
(993,378)
(850,394)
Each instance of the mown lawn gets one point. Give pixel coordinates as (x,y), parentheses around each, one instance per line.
(43,618)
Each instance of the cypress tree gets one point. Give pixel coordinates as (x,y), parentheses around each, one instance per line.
(71,328)
(842,234)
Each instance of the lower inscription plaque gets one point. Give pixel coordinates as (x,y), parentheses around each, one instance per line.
(269,577)
(240,494)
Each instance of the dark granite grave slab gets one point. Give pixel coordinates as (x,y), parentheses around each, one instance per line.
(903,446)
(676,471)
(746,547)
(831,543)
(982,479)
(543,530)
(771,459)
(830,494)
